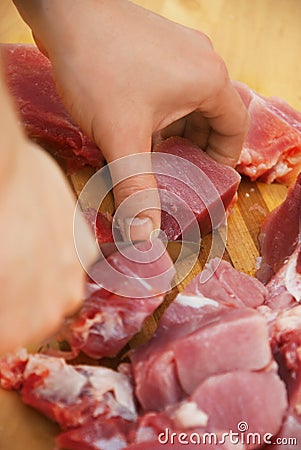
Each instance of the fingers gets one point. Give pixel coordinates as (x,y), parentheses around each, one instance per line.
(136,197)
(227,120)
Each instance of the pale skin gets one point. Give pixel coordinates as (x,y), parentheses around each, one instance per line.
(124,74)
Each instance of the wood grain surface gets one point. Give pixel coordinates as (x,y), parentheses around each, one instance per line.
(260,41)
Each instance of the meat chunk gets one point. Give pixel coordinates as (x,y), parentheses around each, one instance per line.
(45,120)
(280,233)
(259,398)
(192,186)
(70,395)
(127,291)
(179,358)
(272,148)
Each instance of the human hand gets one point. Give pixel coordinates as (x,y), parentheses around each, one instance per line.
(41,277)
(125,73)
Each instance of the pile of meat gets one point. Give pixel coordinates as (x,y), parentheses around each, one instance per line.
(272,149)
(223,368)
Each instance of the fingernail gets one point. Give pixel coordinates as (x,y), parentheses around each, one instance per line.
(137,229)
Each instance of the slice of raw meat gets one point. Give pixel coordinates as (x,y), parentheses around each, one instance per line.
(190,181)
(30,81)
(272,148)
(128,293)
(218,286)
(280,233)
(178,358)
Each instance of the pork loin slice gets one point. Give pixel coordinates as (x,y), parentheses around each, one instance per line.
(188,176)
(257,399)
(45,119)
(69,395)
(178,359)
(280,233)
(272,148)
(108,319)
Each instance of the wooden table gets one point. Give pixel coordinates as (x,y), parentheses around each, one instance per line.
(260,40)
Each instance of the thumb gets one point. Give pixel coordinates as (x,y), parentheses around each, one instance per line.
(135,191)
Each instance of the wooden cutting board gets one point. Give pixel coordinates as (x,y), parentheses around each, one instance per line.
(260,40)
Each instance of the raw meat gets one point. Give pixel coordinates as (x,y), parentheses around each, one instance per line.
(280,233)
(258,398)
(68,394)
(108,319)
(284,289)
(101,224)
(214,308)
(76,397)
(190,181)
(45,120)
(272,148)
(222,341)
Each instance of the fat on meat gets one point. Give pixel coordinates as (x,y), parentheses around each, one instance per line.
(107,321)
(284,288)
(68,394)
(45,119)
(280,233)
(190,180)
(272,148)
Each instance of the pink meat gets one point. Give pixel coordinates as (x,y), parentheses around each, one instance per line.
(107,321)
(227,340)
(219,285)
(259,399)
(289,342)
(272,148)
(194,183)
(41,111)
(280,233)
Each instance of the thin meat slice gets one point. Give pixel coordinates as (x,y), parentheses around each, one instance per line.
(218,286)
(192,186)
(226,285)
(128,291)
(179,358)
(280,233)
(45,119)
(272,148)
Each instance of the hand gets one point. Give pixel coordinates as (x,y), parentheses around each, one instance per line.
(125,73)
(41,277)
